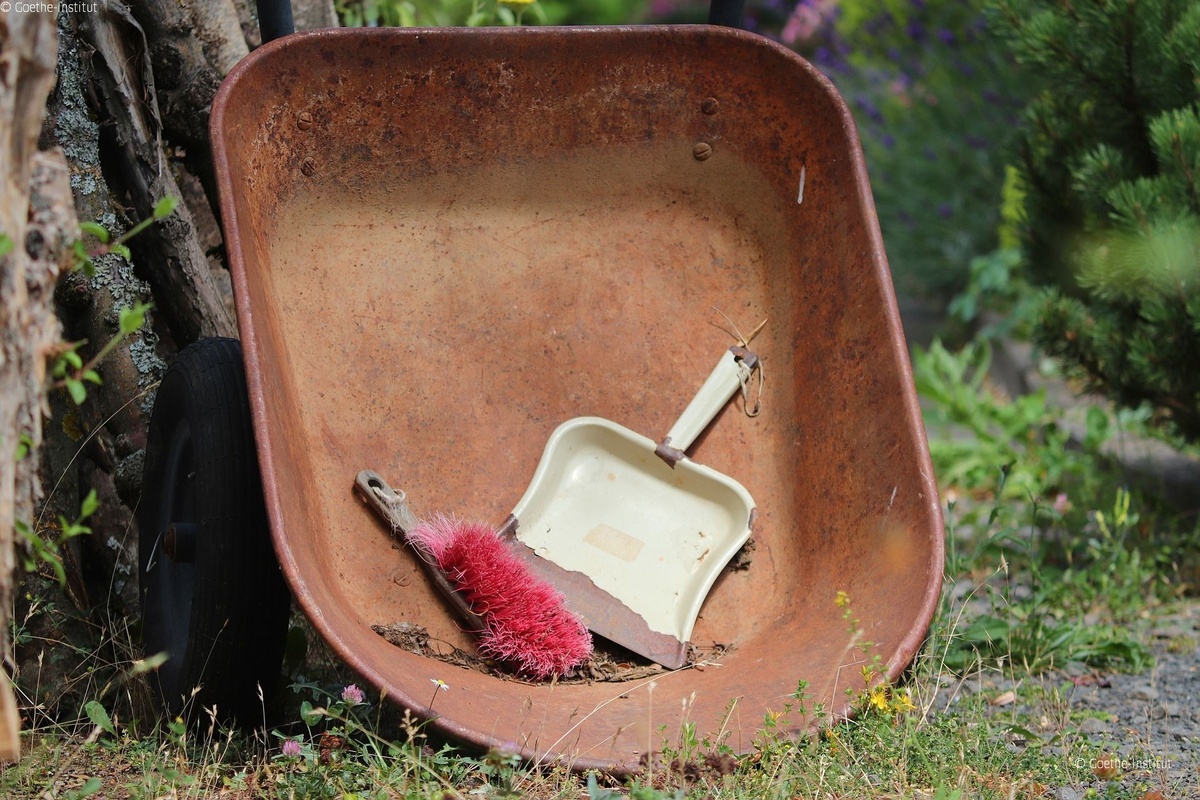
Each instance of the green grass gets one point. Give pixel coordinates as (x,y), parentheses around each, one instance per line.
(965,747)
(1034,583)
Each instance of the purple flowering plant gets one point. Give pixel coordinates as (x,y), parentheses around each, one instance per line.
(352,695)
(936,98)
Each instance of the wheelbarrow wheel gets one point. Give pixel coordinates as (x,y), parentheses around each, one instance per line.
(213,597)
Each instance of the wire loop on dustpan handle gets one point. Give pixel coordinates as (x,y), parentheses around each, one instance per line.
(275,16)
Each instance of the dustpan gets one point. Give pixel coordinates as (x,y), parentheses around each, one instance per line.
(648,526)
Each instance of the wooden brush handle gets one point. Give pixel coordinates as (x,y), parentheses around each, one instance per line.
(392,506)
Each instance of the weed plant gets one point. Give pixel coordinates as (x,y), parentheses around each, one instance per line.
(1054,559)
(921,739)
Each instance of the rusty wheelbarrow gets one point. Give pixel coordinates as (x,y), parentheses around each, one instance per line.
(445,243)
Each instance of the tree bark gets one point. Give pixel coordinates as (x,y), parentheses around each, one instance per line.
(130,110)
(98,445)
(219,32)
(29,329)
(173,261)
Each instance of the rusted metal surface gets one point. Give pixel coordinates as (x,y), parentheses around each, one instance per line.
(445,243)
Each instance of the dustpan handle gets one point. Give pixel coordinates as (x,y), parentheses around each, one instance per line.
(718,388)
(275,16)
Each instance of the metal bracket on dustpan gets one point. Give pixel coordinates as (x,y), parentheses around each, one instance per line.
(600,611)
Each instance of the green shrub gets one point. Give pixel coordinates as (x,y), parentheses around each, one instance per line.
(1109,153)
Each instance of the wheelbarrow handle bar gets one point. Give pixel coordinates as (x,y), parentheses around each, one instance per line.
(727,13)
(275,16)
(274,19)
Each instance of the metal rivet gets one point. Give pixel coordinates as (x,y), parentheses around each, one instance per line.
(304,120)
(309,166)
(710,105)
(702,151)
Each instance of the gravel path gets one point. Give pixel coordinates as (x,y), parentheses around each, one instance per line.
(1152,729)
(1147,725)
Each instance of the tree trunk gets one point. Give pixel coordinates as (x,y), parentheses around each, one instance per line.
(175,264)
(130,110)
(37,217)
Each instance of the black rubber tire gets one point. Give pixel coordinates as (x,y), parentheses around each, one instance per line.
(222,616)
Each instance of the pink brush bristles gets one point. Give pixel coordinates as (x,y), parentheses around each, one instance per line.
(527,621)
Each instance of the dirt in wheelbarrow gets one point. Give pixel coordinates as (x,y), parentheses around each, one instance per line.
(609,662)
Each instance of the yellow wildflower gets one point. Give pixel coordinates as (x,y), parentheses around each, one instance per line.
(878,699)
(902,702)
(842,600)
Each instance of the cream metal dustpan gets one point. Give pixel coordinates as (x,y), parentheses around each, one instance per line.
(643,522)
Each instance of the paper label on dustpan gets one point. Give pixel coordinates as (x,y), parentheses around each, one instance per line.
(614,542)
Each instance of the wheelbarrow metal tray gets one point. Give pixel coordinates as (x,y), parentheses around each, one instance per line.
(444,243)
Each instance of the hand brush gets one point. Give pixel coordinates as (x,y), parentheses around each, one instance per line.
(521,619)
(525,618)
